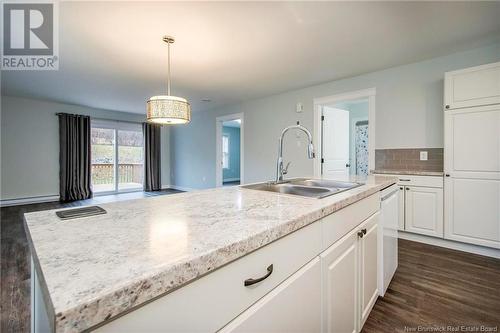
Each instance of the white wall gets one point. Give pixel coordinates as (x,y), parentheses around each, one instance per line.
(30,145)
(408,114)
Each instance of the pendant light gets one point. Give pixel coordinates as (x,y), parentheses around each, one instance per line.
(167,109)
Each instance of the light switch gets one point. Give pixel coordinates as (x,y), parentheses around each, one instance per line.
(423,156)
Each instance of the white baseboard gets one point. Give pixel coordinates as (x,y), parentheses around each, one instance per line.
(180,188)
(29,200)
(471,248)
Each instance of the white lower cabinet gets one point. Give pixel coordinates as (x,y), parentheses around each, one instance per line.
(424,210)
(349,279)
(293,306)
(340,285)
(368,267)
(473,211)
(421,204)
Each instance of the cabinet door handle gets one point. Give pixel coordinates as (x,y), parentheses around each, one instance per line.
(407,188)
(401,188)
(405,180)
(360,234)
(249,282)
(447,106)
(363,231)
(447,175)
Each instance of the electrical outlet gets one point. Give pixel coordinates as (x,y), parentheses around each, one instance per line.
(423,156)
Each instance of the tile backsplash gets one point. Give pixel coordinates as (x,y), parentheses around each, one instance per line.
(409,159)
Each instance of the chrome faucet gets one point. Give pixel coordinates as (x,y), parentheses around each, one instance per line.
(280,170)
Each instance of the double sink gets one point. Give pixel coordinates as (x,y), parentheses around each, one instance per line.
(306,187)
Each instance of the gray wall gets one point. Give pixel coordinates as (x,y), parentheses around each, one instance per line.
(30,145)
(233,173)
(408,114)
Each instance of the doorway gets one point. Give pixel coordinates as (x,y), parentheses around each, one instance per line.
(229,139)
(117,150)
(345,133)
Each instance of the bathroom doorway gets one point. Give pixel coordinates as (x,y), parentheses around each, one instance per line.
(229,138)
(344,128)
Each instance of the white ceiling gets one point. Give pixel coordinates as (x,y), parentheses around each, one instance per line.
(112,56)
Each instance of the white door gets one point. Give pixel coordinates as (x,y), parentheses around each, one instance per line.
(293,306)
(335,148)
(368,267)
(424,210)
(339,266)
(473,86)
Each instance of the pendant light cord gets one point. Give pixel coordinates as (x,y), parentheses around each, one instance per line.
(168,75)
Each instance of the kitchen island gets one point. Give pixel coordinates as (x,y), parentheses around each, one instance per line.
(89,271)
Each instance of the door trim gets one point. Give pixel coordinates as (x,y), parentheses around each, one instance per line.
(218,146)
(318,102)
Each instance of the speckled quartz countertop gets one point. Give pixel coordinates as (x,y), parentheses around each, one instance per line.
(408,172)
(94,268)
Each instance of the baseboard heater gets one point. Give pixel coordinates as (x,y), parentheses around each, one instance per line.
(80,212)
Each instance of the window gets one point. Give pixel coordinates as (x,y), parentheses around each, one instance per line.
(225,152)
(117,156)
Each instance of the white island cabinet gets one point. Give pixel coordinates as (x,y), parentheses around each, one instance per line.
(338,274)
(350,279)
(294,306)
(312,269)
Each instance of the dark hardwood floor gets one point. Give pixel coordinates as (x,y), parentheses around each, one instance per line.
(14,257)
(433,286)
(438,288)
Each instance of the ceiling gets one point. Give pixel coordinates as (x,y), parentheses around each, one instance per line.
(112,56)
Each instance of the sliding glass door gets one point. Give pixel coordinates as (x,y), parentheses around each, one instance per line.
(117,156)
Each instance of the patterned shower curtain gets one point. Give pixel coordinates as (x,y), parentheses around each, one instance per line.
(361,146)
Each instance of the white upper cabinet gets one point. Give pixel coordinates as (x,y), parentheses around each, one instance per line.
(473,86)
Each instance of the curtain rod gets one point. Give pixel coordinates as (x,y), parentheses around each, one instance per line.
(97,118)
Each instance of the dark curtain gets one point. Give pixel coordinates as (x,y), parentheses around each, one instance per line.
(74,157)
(152,157)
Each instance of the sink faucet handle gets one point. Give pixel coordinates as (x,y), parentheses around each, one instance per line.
(285,169)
